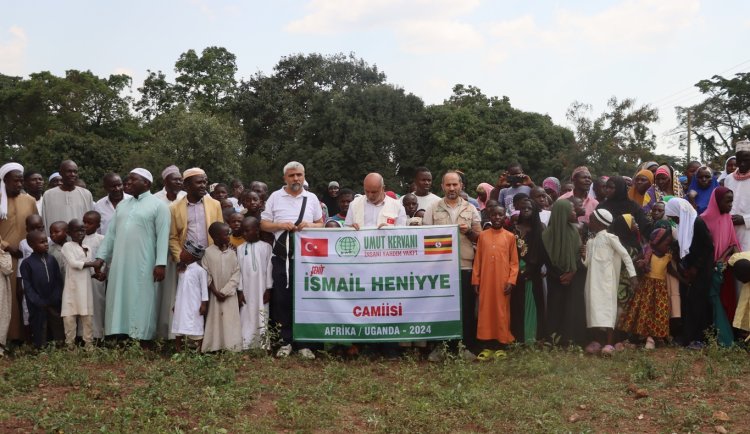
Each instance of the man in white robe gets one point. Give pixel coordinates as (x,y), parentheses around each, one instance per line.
(68,201)
(739,183)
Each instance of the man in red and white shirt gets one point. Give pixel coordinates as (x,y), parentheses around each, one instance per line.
(375,209)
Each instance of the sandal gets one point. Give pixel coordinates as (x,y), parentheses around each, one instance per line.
(485,355)
(500,354)
(593,348)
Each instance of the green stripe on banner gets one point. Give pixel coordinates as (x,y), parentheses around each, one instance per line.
(418,331)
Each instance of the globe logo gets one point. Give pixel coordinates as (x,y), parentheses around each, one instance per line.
(347,246)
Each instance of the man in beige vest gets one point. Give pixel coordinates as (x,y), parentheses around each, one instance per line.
(192,214)
(375,209)
(454,210)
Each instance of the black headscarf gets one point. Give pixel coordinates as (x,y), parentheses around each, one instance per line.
(619,203)
(536,254)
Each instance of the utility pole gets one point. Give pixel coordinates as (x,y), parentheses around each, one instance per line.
(689,133)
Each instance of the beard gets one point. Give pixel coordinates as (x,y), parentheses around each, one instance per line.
(295,187)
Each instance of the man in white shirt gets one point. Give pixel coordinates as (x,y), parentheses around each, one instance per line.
(172,191)
(422,186)
(284,213)
(106,205)
(375,209)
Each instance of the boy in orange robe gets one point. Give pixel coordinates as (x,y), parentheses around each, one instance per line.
(494,275)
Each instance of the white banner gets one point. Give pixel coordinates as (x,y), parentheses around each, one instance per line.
(390,284)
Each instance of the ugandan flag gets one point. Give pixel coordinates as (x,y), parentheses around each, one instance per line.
(438,244)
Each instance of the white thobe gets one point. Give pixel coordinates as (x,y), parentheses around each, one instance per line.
(741,206)
(604,257)
(77,296)
(255,278)
(192,289)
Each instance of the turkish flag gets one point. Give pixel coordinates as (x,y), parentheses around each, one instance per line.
(314,246)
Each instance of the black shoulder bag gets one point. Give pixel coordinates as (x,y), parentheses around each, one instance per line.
(279,246)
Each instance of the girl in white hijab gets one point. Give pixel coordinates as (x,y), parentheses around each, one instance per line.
(696,261)
(682,210)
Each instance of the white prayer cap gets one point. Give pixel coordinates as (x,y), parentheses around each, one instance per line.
(170,170)
(144,173)
(604,216)
(195,249)
(53,176)
(742,146)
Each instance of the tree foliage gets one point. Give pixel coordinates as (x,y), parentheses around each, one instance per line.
(362,129)
(482,135)
(192,139)
(45,119)
(274,108)
(720,118)
(336,114)
(205,83)
(158,96)
(616,141)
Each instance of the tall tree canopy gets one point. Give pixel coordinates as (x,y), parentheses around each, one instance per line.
(721,118)
(337,114)
(45,119)
(615,141)
(274,108)
(482,135)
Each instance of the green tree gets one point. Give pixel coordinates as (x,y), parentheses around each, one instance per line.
(158,96)
(45,119)
(360,130)
(720,118)
(615,141)
(206,82)
(482,135)
(191,139)
(95,156)
(273,108)
(79,102)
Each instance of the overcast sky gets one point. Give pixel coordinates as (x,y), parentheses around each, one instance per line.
(542,54)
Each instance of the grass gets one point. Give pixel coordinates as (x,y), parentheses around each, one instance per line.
(551,390)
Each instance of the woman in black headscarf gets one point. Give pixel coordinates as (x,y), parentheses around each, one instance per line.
(618,203)
(527,312)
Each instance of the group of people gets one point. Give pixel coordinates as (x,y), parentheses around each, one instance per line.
(132,264)
(602,262)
